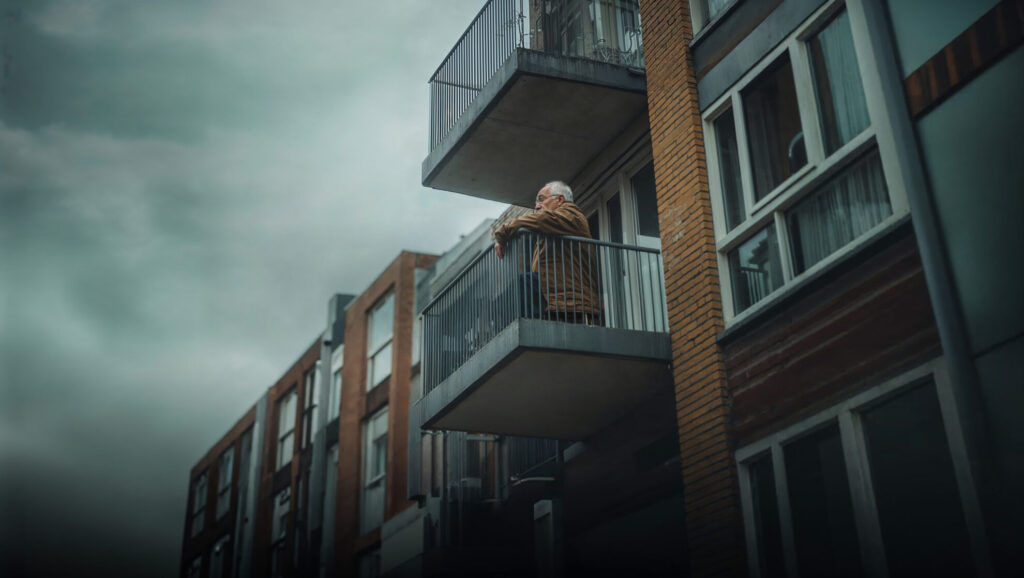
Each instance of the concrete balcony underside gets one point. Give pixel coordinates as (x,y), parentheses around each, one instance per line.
(540,117)
(550,380)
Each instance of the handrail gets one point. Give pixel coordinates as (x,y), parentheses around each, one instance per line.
(566,28)
(578,280)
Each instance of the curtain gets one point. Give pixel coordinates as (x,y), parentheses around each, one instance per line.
(844,109)
(841,211)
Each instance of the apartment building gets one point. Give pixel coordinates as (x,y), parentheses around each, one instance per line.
(831,193)
(218,529)
(834,179)
(301,485)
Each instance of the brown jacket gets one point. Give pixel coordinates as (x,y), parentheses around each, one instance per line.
(567,271)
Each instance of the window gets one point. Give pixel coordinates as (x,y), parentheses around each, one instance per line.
(380,329)
(334,396)
(198,511)
(279,532)
(375,453)
(286,408)
(310,417)
(797,164)
(804,515)
(219,555)
(624,209)
(703,12)
(224,475)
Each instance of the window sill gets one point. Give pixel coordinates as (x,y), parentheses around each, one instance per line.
(859,252)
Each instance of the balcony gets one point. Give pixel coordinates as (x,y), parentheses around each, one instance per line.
(498,358)
(531,94)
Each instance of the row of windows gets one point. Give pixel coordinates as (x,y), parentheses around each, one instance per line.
(225,485)
(799,163)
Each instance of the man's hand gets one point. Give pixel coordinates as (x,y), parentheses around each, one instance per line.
(499,250)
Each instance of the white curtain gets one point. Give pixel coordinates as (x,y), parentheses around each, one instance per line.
(845,89)
(843,210)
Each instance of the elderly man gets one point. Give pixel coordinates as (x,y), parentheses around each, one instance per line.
(564,273)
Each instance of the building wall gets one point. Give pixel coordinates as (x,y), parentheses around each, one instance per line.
(214,529)
(273,481)
(964,85)
(871,322)
(713,518)
(357,404)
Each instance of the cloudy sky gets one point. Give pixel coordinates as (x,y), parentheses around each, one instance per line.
(183,184)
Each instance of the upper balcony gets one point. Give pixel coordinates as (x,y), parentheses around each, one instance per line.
(531,94)
(559,355)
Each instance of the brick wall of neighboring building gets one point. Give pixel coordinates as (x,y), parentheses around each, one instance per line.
(357,404)
(269,474)
(713,516)
(213,528)
(869,323)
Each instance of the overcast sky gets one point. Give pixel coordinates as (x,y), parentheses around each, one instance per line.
(183,184)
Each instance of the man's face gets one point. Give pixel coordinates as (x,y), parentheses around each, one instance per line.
(546,202)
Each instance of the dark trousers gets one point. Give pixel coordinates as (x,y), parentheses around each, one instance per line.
(532,303)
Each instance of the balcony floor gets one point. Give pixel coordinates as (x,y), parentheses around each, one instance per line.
(551,380)
(539,118)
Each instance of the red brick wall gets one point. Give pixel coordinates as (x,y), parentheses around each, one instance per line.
(357,404)
(713,518)
(265,506)
(212,528)
(871,322)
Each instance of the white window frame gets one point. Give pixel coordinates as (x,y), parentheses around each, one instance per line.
(847,415)
(225,475)
(334,395)
(288,400)
(773,207)
(197,514)
(372,380)
(373,481)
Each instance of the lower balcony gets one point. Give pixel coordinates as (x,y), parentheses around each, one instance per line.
(560,354)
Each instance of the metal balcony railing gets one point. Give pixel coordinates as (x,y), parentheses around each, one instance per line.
(601,30)
(580,281)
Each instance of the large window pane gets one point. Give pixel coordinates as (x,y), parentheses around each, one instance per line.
(380,367)
(755,268)
(766,517)
(820,506)
(842,210)
(916,492)
(647,230)
(381,321)
(774,132)
(843,109)
(729,170)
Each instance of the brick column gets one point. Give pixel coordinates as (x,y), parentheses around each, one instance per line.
(713,518)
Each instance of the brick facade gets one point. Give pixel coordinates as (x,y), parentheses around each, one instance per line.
(867,324)
(713,518)
(213,528)
(272,481)
(357,404)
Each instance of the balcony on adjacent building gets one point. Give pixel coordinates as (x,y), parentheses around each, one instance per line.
(531,92)
(558,355)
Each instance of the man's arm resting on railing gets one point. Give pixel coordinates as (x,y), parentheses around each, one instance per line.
(565,220)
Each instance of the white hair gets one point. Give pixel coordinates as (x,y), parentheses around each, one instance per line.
(559,188)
